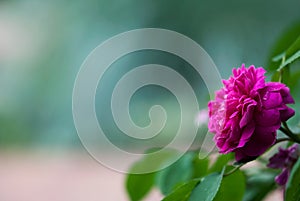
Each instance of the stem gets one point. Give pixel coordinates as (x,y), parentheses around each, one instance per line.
(282,140)
(280,76)
(280,70)
(286,130)
(233,170)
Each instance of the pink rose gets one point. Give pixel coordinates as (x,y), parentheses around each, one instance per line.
(247,112)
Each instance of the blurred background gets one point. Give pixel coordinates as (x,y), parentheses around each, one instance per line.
(42,46)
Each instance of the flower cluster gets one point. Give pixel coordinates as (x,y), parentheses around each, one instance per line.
(285,160)
(247,112)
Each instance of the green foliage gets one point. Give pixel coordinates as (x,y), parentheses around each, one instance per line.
(207,189)
(282,45)
(200,167)
(186,168)
(293,186)
(221,161)
(290,60)
(232,187)
(294,48)
(283,72)
(176,174)
(287,55)
(291,54)
(138,185)
(189,166)
(189,178)
(182,193)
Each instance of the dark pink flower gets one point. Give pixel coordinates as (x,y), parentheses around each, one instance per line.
(247,112)
(285,160)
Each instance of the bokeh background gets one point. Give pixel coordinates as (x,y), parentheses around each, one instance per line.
(42,46)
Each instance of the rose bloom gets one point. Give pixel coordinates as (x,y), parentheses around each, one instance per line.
(285,160)
(247,112)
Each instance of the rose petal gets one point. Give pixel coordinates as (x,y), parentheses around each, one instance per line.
(268,117)
(272,100)
(259,142)
(246,134)
(247,117)
(286,114)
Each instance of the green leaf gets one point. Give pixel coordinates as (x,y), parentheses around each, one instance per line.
(232,187)
(182,193)
(200,166)
(221,161)
(294,48)
(290,55)
(294,83)
(291,59)
(278,57)
(207,189)
(283,43)
(139,185)
(292,192)
(176,174)
(259,185)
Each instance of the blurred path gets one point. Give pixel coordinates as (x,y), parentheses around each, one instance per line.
(61,176)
